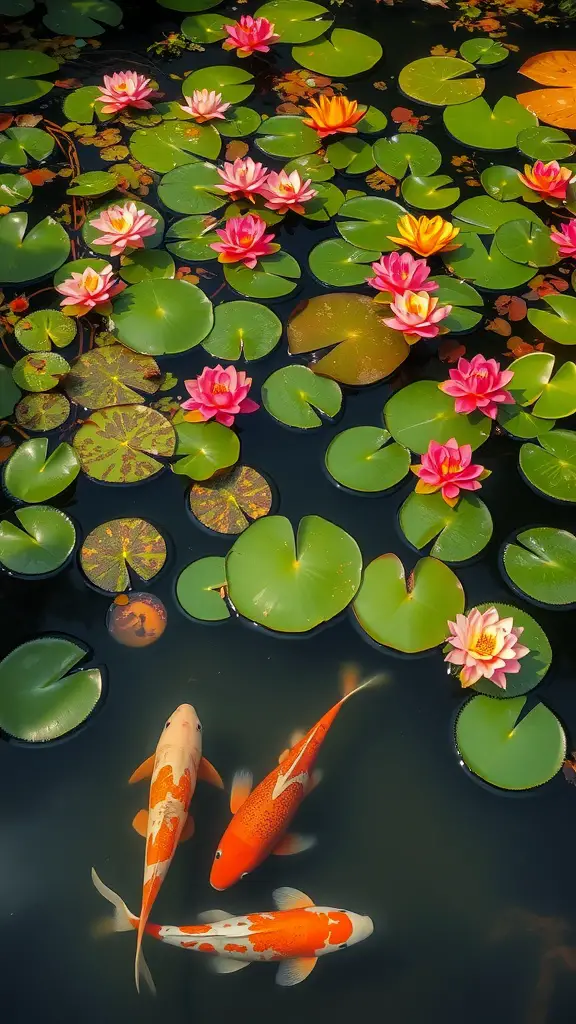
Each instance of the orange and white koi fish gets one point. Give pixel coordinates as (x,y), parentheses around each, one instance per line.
(262,816)
(174,769)
(296,933)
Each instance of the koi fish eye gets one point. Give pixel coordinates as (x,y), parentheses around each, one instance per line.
(343,946)
(244,874)
(199,726)
(218,854)
(167,726)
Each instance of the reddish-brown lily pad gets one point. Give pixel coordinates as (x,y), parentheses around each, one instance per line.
(121,445)
(113,548)
(230,503)
(106,376)
(42,411)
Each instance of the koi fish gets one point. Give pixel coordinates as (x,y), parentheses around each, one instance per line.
(296,933)
(173,769)
(262,816)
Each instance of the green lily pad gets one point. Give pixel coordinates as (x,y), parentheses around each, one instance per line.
(233,83)
(296,21)
(40,371)
(14,189)
(551,467)
(461,532)
(461,297)
(89,233)
(244,206)
(558,398)
(43,411)
(286,135)
(246,329)
(145,264)
(28,257)
(93,183)
(9,393)
(173,144)
(273,276)
(114,548)
(438,81)
(190,238)
(78,267)
(337,262)
(16,8)
(559,325)
(43,545)
(372,220)
(487,268)
(293,393)
(421,413)
(475,124)
(506,752)
(107,376)
(205,28)
(16,144)
(533,666)
(122,445)
(230,502)
(81,17)
(524,242)
(502,183)
(207,448)
(344,54)
(411,615)
(430,193)
(541,564)
(312,166)
(545,143)
(350,154)
(374,121)
(522,424)
(80,105)
(198,589)
(484,215)
(38,700)
(192,189)
(362,459)
(293,584)
(396,155)
(239,122)
(162,317)
(483,50)
(555,396)
(37,332)
(18,81)
(30,476)
(326,203)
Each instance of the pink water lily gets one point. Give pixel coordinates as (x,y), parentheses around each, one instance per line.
(284,192)
(124,227)
(478,384)
(244,240)
(448,468)
(242,178)
(89,290)
(124,89)
(486,646)
(548,180)
(220,393)
(400,272)
(417,314)
(205,106)
(565,239)
(250,35)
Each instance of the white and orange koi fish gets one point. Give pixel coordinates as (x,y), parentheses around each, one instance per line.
(295,934)
(174,769)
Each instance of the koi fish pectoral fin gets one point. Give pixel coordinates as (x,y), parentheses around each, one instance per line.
(225,965)
(314,780)
(188,830)
(294,738)
(140,823)
(293,843)
(286,898)
(144,771)
(208,773)
(212,916)
(241,789)
(292,972)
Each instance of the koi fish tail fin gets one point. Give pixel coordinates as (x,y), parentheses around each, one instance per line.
(122,920)
(350,682)
(141,970)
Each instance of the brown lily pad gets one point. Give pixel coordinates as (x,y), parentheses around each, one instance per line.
(107,376)
(231,502)
(42,411)
(121,445)
(113,548)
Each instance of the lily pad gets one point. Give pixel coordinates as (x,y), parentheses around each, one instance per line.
(80,105)
(484,216)
(192,189)
(162,317)
(292,584)
(344,54)
(90,233)
(559,325)
(107,376)
(458,533)
(421,413)
(524,242)
(411,615)
(207,448)
(312,166)
(93,183)
(37,332)
(502,183)
(326,203)
(233,83)
(273,276)
(362,459)
(372,219)
(122,445)
(40,371)
(190,238)
(551,467)
(487,268)
(28,257)
(533,666)
(18,81)
(32,477)
(541,564)
(405,151)
(198,589)
(362,349)
(545,143)
(14,189)
(286,135)
(9,393)
(230,503)
(522,424)
(239,122)
(462,297)
(296,21)
(38,700)
(555,396)
(173,144)
(144,264)
(430,193)
(42,412)
(114,548)
(16,144)
(483,50)
(506,751)
(337,262)
(243,329)
(42,546)
(350,155)
(81,17)
(293,393)
(205,28)
(438,81)
(475,124)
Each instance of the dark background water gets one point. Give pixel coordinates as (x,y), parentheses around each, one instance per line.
(471,891)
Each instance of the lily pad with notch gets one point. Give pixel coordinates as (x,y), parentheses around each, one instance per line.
(81,17)
(487,268)
(234,84)
(173,144)
(30,256)
(545,143)
(229,503)
(312,166)
(421,413)
(484,215)
(37,332)
(124,444)
(107,376)
(296,21)
(41,544)
(344,54)
(243,329)
(477,125)
(192,189)
(14,189)
(371,219)
(430,193)
(162,316)
(93,183)
(483,51)
(286,136)
(207,448)
(199,589)
(503,184)
(526,242)
(81,106)
(40,371)
(363,459)
(534,381)
(118,547)
(439,81)
(18,76)
(396,155)
(533,666)
(43,411)
(273,277)
(146,264)
(541,564)
(550,466)
(292,395)
(17,144)
(32,476)
(190,238)
(205,28)
(326,203)
(341,264)
(560,325)
(459,533)
(464,300)
(350,155)
(239,122)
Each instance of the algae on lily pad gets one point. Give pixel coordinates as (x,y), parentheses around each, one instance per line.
(37,332)
(293,393)
(114,548)
(107,376)
(229,503)
(541,564)
(362,459)
(41,544)
(42,411)
(33,476)
(199,589)
(124,444)
(40,371)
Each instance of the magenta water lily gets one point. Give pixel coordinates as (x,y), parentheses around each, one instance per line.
(448,468)
(478,384)
(219,393)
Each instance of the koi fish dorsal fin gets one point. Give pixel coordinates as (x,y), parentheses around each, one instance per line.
(144,771)
(293,843)
(287,898)
(225,965)
(284,755)
(241,789)
(292,972)
(208,773)
(213,916)
(140,823)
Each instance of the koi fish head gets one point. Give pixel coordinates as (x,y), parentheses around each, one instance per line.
(182,735)
(233,860)
(362,928)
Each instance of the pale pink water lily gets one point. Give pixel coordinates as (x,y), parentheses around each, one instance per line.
(400,272)
(124,89)
(284,192)
(242,178)
(244,240)
(565,239)
(205,106)
(417,314)
(548,180)
(486,646)
(250,35)
(478,384)
(88,290)
(448,468)
(219,393)
(124,227)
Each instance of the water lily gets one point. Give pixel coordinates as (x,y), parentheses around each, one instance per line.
(205,106)
(250,35)
(400,272)
(486,646)
(219,393)
(417,314)
(329,115)
(478,384)
(124,227)
(284,192)
(124,89)
(565,239)
(242,178)
(244,240)
(425,235)
(448,468)
(88,290)
(548,180)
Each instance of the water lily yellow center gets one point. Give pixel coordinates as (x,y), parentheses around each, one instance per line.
(449,468)
(120,223)
(92,282)
(220,389)
(485,645)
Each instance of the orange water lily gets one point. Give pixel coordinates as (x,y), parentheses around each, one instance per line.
(425,235)
(331,115)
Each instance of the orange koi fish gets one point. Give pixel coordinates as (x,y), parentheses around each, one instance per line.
(262,816)
(174,769)
(296,933)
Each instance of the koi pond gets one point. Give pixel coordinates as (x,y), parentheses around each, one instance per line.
(287,400)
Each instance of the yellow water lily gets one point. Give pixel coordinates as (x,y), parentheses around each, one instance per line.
(425,235)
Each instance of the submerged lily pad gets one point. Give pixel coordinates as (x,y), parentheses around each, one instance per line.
(286,135)
(174,143)
(37,332)
(541,564)
(107,376)
(411,615)
(81,17)
(371,220)
(246,329)
(405,151)
(362,459)
(292,394)
(27,257)
(458,533)
(235,84)
(207,448)
(114,548)
(14,189)
(18,81)
(533,666)
(559,325)
(16,144)
(337,262)
(438,81)
(296,21)
(273,276)
(421,413)
(162,317)
(344,54)
(230,503)
(121,445)
(292,584)
(40,371)
(43,411)
(551,466)
(476,124)
(43,545)
(192,189)
(199,586)
(32,477)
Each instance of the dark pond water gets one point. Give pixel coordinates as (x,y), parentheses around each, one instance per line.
(471,891)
